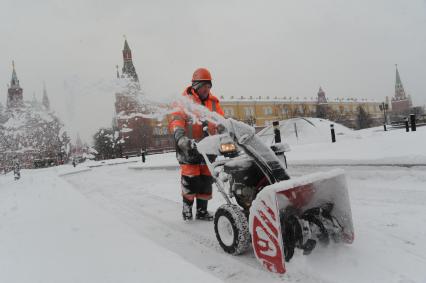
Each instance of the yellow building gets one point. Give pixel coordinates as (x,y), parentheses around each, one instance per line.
(263,110)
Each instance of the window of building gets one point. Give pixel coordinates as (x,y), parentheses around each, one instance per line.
(160,131)
(249,111)
(267,110)
(229,112)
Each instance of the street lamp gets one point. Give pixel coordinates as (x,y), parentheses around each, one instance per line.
(384,107)
(251,120)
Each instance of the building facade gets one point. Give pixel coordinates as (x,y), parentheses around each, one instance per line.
(261,111)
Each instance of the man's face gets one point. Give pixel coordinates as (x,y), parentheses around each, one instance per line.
(203,92)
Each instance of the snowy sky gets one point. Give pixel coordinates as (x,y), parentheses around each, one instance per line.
(290,48)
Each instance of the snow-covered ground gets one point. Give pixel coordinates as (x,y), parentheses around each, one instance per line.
(363,147)
(116,224)
(306,130)
(50,232)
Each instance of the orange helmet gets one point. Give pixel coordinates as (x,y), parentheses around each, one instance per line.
(201,74)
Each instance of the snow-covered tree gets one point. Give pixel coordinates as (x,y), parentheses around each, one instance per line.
(106,143)
(2,115)
(65,142)
(29,132)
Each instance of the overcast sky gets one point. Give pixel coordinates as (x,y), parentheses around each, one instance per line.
(284,48)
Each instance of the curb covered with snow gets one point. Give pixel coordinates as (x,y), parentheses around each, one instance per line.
(372,163)
(76,171)
(155,167)
(103,163)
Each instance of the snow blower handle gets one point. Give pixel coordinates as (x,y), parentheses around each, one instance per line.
(192,144)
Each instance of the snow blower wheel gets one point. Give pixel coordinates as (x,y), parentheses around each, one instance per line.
(231,229)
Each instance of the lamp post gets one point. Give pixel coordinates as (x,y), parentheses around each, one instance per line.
(251,120)
(384,107)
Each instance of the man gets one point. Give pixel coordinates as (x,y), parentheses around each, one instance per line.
(196,180)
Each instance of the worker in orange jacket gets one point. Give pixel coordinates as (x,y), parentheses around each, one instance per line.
(196,180)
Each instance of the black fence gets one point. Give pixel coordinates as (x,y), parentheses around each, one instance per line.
(149,151)
(420,121)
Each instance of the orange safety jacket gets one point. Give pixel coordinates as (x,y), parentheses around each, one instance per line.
(182,122)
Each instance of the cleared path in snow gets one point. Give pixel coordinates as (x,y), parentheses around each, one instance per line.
(388,204)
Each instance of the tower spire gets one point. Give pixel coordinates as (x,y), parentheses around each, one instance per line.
(126,45)
(45,100)
(128,67)
(401,103)
(14,93)
(321,96)
(34,101)
(14,82)
(399,88)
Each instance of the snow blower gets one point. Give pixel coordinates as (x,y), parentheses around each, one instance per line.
(267,209)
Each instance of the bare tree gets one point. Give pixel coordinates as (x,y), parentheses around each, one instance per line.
(363,118)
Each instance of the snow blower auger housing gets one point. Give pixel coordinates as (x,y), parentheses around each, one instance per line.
(264,207)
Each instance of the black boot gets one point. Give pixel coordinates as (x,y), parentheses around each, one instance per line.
(202,213)
(187,210)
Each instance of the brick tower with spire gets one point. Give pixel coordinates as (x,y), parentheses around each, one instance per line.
(135,131)
(322,104)
(400,102)
(15,92)
(126,101)
(321,96)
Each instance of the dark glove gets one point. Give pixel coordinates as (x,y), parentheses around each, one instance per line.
(220,128)
(189,150)
(185,144)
